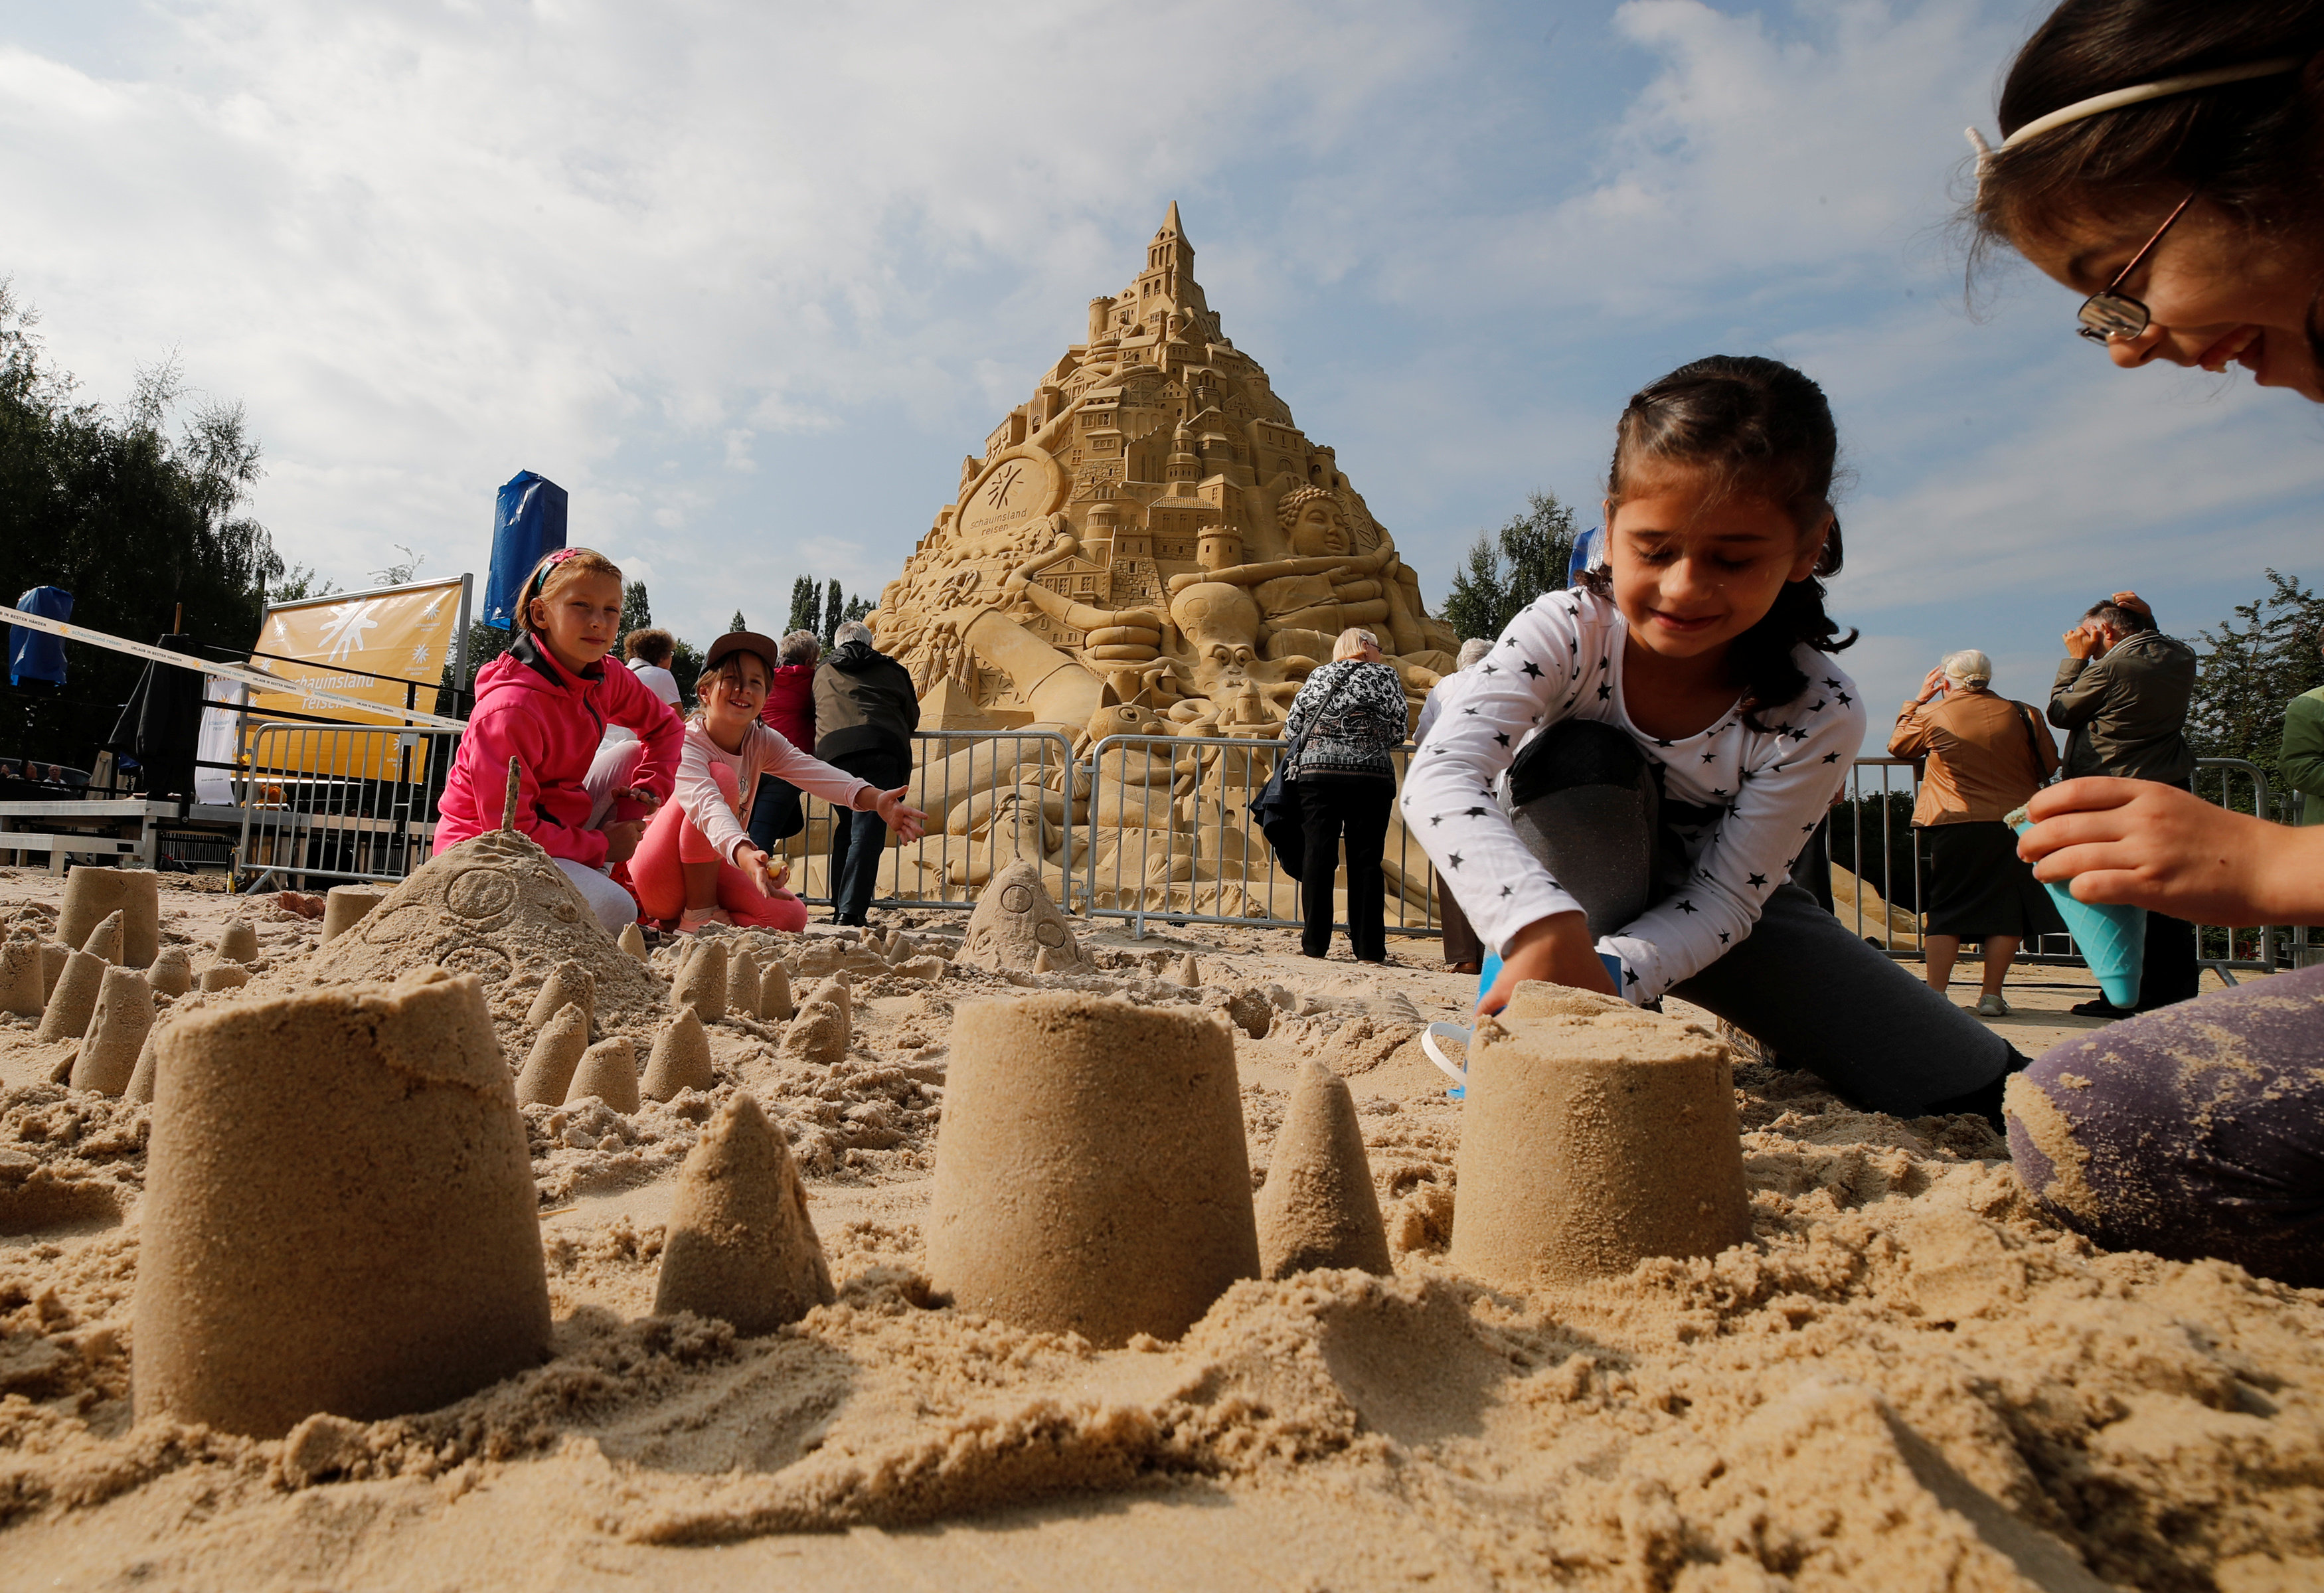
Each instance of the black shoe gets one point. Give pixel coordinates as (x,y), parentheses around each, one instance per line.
(2102,1008)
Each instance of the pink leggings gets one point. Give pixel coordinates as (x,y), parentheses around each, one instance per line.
(672,840)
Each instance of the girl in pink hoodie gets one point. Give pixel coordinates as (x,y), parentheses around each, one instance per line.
(697,863)
(546,701)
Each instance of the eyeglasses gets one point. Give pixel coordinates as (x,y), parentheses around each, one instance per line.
(2106,315)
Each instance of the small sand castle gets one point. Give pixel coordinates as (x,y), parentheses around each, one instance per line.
(74,1001)
(238,942)
(1595,1135)
(548,1066)
(107,938)
(496,907)
(1015,922)
(701,981)
(743,982)
(116,1033)
(347,905)
(1318,1208)
(224,975)
(775,992)
(632,941)
(172,973)
(22,987)
(568,984)
(94,895)
(339,1210)
(741,1246)
(1091,1174)
(680,1059)
(608,1070)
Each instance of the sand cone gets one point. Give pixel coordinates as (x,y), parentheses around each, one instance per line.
(1318,1208)
(1595,1135)
(568,984)
(899,948)
(94,895)
(680,1059)
(116,1033)
(555,1052)
(1090,1173)
(105,940)
(775,992)
(19,977)
(53,958)
(172,973)
(608,1070)
(1044,962)
(838,991)
(741,1246)
(1189,972)
(701,983)
(347,905)
(1014,920)
(742,983)
(816,1033)
(70,1004)
(225,976)
(238,942)
(634,941)
(140,1090)
(340,1213)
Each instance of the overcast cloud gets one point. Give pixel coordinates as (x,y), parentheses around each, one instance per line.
(749,280)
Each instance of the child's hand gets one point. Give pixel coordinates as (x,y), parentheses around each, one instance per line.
(2156,846)
(1557,949)
(641,794)
(909,823)
(766,875)
(621,839)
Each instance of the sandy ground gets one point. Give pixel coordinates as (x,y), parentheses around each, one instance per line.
(1910,1379)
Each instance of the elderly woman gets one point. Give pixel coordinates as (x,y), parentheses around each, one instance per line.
(1352,714)
(1463,952)
(1985,755)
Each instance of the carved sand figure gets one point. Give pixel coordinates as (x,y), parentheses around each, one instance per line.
(339,1211)
(1015,922)
(1050,1210)
(741,1246)
(93,894)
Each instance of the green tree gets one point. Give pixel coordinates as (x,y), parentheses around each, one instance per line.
(804,608)
(1508,568)
(135,512)
(834,606)
(738,623)
(295,584)
(637,609)
(685,666)
(2250,668)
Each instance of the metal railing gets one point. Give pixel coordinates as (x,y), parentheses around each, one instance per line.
(338,802)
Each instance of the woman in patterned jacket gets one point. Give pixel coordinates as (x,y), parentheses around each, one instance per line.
(1353,713)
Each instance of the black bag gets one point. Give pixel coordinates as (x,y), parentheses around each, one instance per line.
(1275,809)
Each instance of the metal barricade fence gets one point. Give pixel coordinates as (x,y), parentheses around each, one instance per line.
(1874,841)
(991,796)
(339,803)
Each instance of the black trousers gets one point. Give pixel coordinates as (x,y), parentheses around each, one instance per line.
(1356,806)
(859,840)
(775,813)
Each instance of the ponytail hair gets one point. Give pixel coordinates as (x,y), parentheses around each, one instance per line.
(1763,428)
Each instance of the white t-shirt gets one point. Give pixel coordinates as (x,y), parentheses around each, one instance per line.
(659,681)
(1562,659)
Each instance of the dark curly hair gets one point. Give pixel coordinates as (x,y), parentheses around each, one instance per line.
(1766,430)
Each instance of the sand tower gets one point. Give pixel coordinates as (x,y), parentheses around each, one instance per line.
(680,1059)
(741,1246)
(94,895)
(238,941)
(347,905)
(568,984)
(117,1028)
(66,1017)
(1015,922)
(1595,1135)
(1090,1173)
(21,983)
(608,1070)
(172,972)
(555,1052)
(701,981)
(339,1210)
(1319,1208)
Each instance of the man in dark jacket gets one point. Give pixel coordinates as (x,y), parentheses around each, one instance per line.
(865,712)
(2122,697)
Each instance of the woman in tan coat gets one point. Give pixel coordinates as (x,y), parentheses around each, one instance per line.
(1984,756)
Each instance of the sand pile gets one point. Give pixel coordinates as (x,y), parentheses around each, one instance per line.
(496,907)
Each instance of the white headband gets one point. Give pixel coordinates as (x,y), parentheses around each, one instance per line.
(2098,103)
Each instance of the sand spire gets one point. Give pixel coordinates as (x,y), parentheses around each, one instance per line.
(1318,1208)
(19,977)
(339,1210)
(741,1246)
(742,982)
(116,1033)
(608,1070)
(70,1004)
(567,984)
(701,981)
(555,1052)
(775,991)
(680,1059)
(172,972)
(347,905)
(94,895)
(106,939)
(634,941)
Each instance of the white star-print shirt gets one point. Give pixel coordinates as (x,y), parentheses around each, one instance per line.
(1562,659)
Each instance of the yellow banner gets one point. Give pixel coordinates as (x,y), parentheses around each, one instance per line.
(369,646)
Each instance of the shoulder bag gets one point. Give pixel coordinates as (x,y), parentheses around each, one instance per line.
(1276,810)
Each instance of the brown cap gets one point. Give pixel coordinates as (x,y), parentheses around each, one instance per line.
(743,641)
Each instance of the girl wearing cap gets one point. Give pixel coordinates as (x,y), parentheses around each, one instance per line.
(2160,157)
(697,863)
(546,703)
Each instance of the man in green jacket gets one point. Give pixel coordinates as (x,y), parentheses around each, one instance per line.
(2122,696)
(2301,759)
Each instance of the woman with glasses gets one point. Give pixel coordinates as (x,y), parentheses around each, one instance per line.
(2164,159)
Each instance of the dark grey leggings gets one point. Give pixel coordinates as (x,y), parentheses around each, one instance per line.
(1588,802)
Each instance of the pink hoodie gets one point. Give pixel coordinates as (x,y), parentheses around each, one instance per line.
(530,707)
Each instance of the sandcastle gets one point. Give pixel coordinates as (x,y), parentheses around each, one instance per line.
(238,941)
(1015,922)
(701,981)
(608,1070)
(1091,1174)
(224,975)
(775,991)
(116,1033)
(172,972)
(1594,1135)
(53,958)
(817,1032)
(94,895)
(741,1246)
(21,989)
(743,982)
(347,905)
(1318,1207)
(632,941)
(680,1059)
(549,1068)
(107,938)
(568,984)
(339,1210)
(70,1006)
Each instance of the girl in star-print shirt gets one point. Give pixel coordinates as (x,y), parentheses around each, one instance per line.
(1617,795)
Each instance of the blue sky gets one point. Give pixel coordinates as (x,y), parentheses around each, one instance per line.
(749,280)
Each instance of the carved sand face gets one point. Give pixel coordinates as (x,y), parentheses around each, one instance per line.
(1221,624)
(1321,531)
